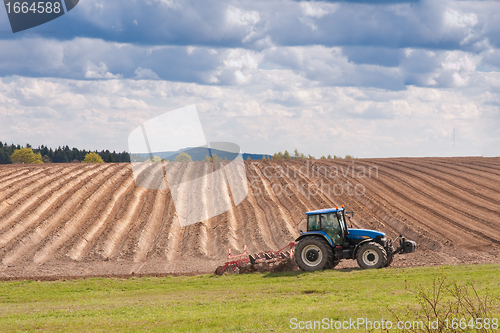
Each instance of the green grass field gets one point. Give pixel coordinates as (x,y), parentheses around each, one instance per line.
(232,303)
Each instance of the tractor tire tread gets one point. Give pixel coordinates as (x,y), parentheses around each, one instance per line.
(378,248)
(390,259)
(328,253)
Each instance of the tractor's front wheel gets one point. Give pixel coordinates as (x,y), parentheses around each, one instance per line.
(371,255)
(390,259)
(313,254)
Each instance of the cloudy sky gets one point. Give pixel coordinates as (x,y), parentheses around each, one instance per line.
(366,78)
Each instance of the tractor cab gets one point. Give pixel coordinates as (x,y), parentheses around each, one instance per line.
(330,222)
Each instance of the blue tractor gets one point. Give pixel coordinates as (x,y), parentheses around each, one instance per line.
(328,240)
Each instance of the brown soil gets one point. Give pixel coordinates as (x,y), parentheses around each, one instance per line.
(60,221)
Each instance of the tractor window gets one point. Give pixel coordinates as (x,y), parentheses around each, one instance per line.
(341,221)
(313,223)
(330,225)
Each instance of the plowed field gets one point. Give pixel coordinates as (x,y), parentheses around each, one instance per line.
(64,220)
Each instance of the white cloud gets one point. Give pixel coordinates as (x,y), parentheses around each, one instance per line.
(10,111)
(169,3)
(238,66)
(318,9)
(280,114)
(238,16)
(461,20)
(439,68)
(368,80)
(100,71)
(145,73)
(239,23)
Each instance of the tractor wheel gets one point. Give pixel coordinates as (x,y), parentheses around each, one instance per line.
(313,254)
(371,255)
(389,261)
(335,262)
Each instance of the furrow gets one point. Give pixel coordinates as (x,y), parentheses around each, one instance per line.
(249,233)
(259,191)
(196,239)
(21,184)
(76,222)
(150,231)
(152,227)
(404,219)
(114,239)
(446,199)
(50,224)
(127,247)
(379,213)
(9,169)
(8,177)
(288,185)
(79,177)
(299,173)
(476,185)
(484,166)
(260,218)
(178,174)
(285,220)
(212,240)
(457,179)
(82,248)
(470,173)
(469,199)
(341,188)
(276,216)
(172,248)
(287,193)
(491,162)
(204,224)
(229,220)
(425,205)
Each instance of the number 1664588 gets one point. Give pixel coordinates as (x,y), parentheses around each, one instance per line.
(36,7)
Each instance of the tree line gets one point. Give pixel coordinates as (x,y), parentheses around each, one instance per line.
(299,156)
(44,154)
(60,155)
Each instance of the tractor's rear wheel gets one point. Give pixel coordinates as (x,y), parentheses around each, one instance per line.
(371,255)
(313,254)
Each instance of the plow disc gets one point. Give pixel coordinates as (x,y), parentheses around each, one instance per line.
(237,262)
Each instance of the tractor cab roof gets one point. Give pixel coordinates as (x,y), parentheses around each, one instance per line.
(325,211)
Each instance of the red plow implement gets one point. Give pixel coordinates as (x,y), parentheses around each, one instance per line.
(235,263)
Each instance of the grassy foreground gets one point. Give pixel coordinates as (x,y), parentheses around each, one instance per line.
(247,303)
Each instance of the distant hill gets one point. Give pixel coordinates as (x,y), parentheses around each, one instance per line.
(256,156)
(67,155)
(197,154)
